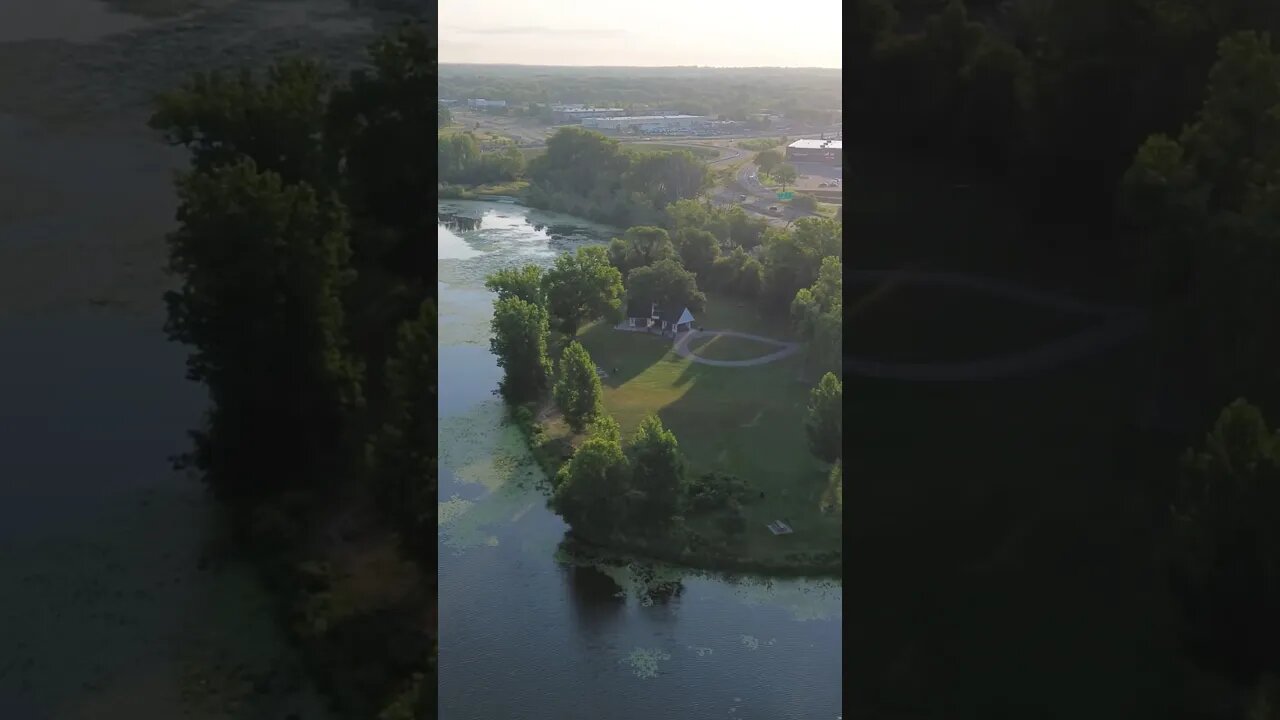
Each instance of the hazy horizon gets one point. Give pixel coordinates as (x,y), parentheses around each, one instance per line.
(661,33)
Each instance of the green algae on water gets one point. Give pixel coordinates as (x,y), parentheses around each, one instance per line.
(803,599)
(644,662)
(448,511)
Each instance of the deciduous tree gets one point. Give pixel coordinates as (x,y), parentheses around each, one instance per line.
(402,455)
(667,283)
(262,264)
(581,287)
(520,342)
(657,471)
(823,424)
(524,283)
(577,390)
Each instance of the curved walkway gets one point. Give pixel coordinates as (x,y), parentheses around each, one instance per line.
(1117,324)
(682,348)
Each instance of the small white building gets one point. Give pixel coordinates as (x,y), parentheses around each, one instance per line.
(482,104)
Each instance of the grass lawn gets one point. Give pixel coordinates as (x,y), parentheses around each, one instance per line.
(1005,535)
(704,153)
(729,347)
(1008,561)
(725,312)
(744,421)
(827,210)
(911,213)
(918,323)
(513,187)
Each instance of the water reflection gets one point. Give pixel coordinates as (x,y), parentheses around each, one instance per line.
(458,223)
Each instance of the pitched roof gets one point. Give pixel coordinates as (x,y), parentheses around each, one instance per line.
(676,314)
(639,308)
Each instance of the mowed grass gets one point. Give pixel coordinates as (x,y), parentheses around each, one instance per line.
(909,212)
(1005,535)
(919,323)
(748,422)
(729,347)
(513,187)
(704,153)
(1006,549)
(725,312)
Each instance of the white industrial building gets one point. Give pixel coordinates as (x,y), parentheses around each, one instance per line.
(646,123)
(482,103)
(577,113)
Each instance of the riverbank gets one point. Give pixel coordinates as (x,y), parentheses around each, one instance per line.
(514,190)
(745,422)
(584,634)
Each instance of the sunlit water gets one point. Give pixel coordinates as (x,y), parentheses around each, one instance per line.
(529,630)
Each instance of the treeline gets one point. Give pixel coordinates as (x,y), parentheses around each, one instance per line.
(461,160)
(587,174)
(1158,120)
(1058,93)
(735,93)
(306,305)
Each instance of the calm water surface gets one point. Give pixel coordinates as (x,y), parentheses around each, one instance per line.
(117,598)
(529,630)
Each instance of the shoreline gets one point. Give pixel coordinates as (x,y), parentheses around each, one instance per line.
(530,428)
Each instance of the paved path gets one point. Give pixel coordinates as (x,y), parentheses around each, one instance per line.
(1116,325)
(682,348)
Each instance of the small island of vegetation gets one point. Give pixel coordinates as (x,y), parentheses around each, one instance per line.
(653,448)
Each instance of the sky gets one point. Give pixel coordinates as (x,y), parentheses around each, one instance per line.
(719,33)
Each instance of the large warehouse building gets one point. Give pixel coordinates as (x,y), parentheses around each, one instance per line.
(645,123)
(827,152)
(577,113)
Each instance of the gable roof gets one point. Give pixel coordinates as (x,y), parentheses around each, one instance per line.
(676,314)
(639,308)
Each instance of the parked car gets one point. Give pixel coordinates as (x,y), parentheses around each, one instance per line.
(742,198)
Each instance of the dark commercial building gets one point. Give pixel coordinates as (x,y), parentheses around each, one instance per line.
(827,152)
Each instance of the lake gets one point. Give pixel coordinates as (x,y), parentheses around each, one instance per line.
(118,598)
(532,629)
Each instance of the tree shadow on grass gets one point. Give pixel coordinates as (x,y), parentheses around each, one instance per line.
(1000,524)
(623,355)
(748,422)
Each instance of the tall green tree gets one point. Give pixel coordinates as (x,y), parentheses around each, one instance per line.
(1202,207)
(768,160)
(277,121)
(639,246)
(785,174)
(823,425)
(698,250)
(581,162)
(262,264)
(520,342)
(524,282)
(817,313)
(374,129)
(577,390)
(402,455)
(1227,542)
(591,488)
(668,284)
(665,177)
(581,287)
(657,472)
